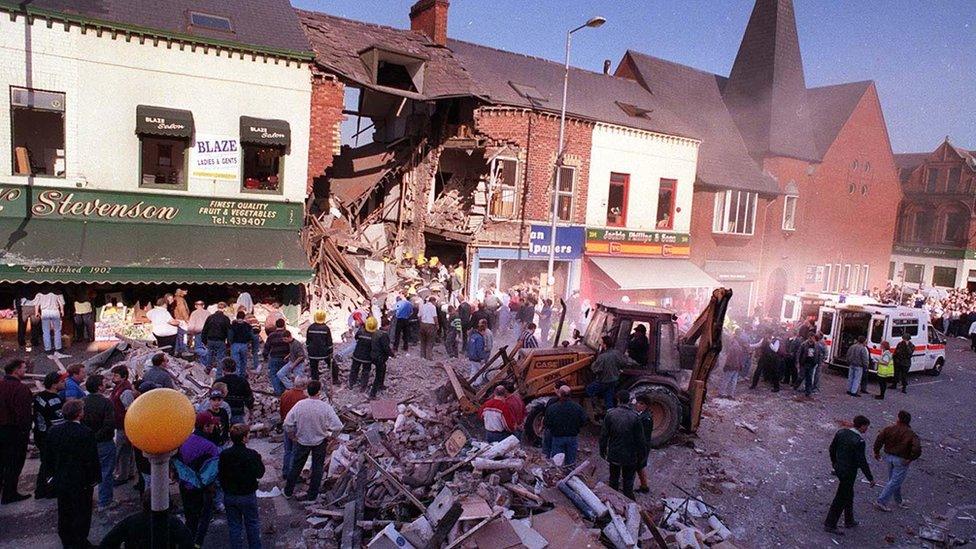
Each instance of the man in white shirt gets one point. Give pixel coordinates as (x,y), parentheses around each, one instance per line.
(428,327)
(164,326)
(309,423)
(49,306)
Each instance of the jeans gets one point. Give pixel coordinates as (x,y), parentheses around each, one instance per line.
(450,343)
(200,349)
(216,352)
(124,458)
(568,446)
(106,458)
(239,353)
(51,321)
(854,374)
(287,373)
(598,388)
(897,471)
(275,364)
(808,372)
(242,515)
(544,328)
(198,509)
(288,457)
(728,385)
(816,377)
(180,346)
(624,474)
(318,466)
(843,501)
(255,351)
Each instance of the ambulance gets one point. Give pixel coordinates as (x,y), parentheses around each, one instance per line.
(804,305)
(842,323)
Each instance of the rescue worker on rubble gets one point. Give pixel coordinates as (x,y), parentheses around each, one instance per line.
(362,354)
(606,370)
(380,353)
(318,341)
(623,444)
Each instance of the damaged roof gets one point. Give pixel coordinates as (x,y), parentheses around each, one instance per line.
(509,78)
(338,43)
(263,24)
(723,159)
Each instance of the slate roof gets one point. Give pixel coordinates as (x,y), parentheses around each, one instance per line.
(830,108)
(338,42)
(766,90)
(265,24)
(910,161)
(508,78)
(723,159)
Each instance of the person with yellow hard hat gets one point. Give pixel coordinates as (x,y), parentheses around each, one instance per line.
(362,354)
(380,353)
(318,341)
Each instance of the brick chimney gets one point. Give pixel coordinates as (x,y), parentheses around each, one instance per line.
(429,17)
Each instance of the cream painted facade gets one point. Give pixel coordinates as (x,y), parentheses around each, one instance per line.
(104,78)
(646,157)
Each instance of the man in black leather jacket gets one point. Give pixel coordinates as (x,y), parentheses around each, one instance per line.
(623,444)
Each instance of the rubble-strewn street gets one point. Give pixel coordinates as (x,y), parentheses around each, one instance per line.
(759,463)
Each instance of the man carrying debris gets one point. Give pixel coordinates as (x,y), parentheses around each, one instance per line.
(563,421)
(901,447)
(847,457)
(362,354)
(622,444)
(309,423)
(318,340)
(499,418)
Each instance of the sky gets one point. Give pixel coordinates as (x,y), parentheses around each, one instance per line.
(920,53)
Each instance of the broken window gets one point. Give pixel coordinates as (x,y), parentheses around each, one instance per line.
(37,132)
(503,188)
(735,212)
(395,70)
(789,213)
(617,200)
(665,204)
(564,193)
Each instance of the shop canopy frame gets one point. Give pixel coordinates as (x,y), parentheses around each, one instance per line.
(49,251)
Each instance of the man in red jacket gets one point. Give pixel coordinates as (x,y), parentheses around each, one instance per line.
(499,418)
(15,424)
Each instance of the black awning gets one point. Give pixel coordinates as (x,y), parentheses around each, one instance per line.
(162,121)
(258,131)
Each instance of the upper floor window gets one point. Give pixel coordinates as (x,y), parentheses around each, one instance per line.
(735,212)
(932,180)
(666,196)
(564,193)
(503,188)
(164,138)
(952,185)
(37,132)
(264,144)
(922,225)
(617,200)
(955,226)
(789,212)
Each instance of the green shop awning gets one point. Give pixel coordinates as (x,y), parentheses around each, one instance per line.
(42,250)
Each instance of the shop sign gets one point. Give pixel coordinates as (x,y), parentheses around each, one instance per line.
(88,205)
(930,251)
(216,157)
(627,243)
(569,242)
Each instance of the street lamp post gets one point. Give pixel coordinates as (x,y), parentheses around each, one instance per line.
(593,22)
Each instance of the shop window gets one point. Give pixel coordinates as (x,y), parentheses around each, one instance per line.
(503,188)
(37,132)
(665,203)
(952,185)
(263,167)
(913,273)
(735,212)
(932,181)
(789,213)
(617,200)
(163,161)
(944,277)
(564,193)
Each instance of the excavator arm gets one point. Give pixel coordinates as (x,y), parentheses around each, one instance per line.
(707,332)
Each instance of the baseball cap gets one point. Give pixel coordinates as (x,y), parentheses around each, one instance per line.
(216,394)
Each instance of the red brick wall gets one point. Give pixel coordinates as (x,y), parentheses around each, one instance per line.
(326,115)
(429,17)
(834,225)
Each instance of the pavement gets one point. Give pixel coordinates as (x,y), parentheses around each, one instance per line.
(771,487)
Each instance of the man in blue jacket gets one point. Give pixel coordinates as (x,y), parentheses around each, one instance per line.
(477,350)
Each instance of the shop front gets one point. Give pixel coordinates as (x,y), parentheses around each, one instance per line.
(742,277)
(133,248)
(646,267)
(527,268)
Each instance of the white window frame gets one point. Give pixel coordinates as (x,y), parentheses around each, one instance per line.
(790,199)
(558,193)
(826,280)
(494,186)
(836,286)
(721,221)
(846,286)
(864,278)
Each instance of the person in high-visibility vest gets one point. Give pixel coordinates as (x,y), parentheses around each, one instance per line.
(886,368)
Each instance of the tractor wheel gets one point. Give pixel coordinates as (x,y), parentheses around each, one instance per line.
(666,410)
(533,425)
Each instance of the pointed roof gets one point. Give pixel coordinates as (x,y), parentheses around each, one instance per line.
(766,90)
(831,107)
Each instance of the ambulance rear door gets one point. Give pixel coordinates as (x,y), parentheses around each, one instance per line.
(827,324)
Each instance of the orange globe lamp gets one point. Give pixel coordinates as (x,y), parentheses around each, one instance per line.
(159,421)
